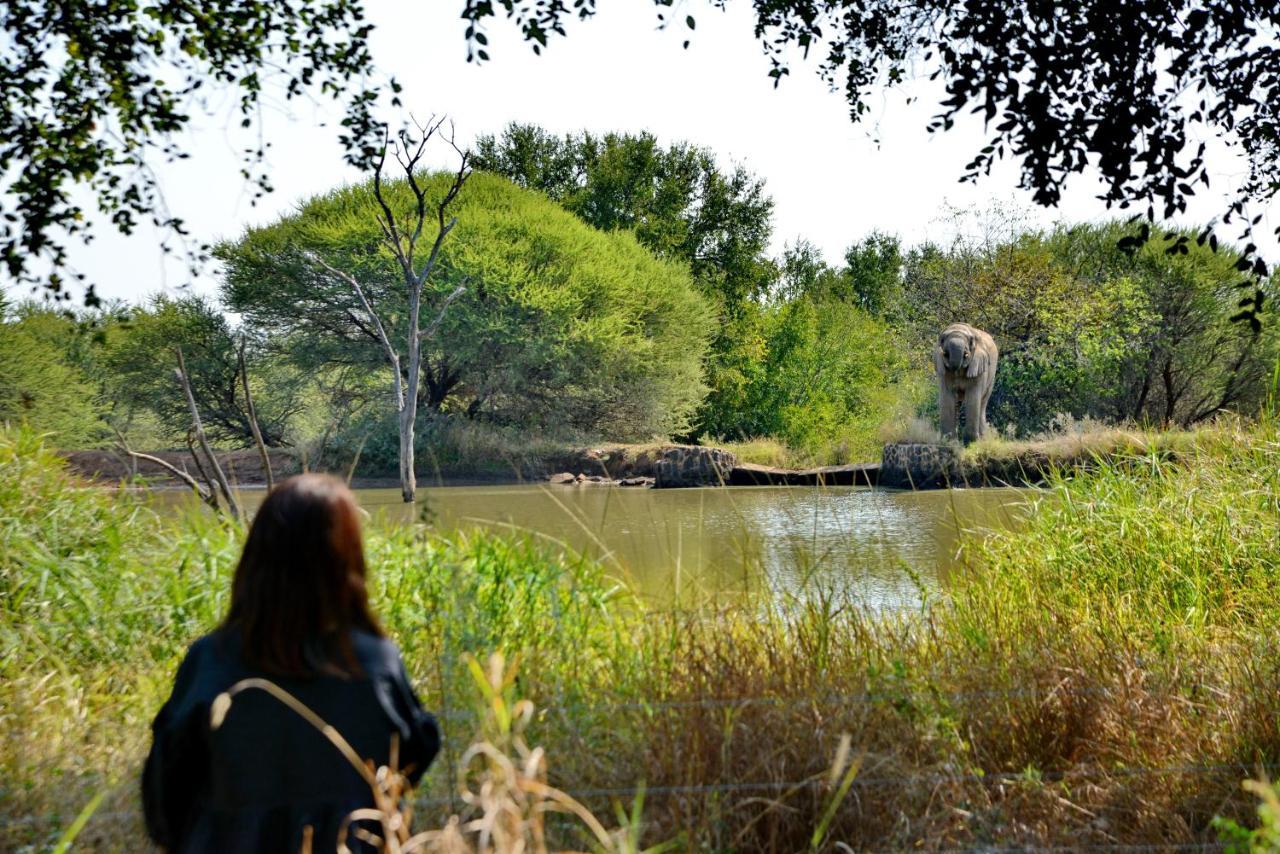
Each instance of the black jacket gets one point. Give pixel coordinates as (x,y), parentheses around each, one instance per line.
(260,778)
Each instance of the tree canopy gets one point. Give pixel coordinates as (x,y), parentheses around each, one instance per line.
(94,89)
(560,325)
(139,362)
(1088,329)
(1128,89)
(676,199)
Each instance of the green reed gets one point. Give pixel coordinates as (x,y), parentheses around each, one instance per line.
(1105,673)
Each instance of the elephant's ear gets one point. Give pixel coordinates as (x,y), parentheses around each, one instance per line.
(978,361)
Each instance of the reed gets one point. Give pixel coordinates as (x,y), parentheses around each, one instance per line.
(1103,674)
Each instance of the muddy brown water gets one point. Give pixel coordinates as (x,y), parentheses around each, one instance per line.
(885,548)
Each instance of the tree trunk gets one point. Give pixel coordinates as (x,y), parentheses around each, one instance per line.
(253,421)
(1170,399)
(409,412)
(221,478)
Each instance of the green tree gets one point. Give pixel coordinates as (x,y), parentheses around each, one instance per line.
(827,375)
(872,275)
(1187,360)
(560,325)
(677,200)
(41,388)
(140,360)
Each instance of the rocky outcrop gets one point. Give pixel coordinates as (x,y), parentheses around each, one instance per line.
(693,465)
(913,465)
(910,465)
(861,474)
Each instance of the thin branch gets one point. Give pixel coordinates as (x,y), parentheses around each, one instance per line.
(253,419)
(181,475)
(388,222)
(434,325)
(387,347)
(223,486)
(210,486)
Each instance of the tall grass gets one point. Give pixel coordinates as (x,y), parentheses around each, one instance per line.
(1104,675)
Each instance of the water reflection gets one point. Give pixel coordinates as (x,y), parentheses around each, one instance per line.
(881,547)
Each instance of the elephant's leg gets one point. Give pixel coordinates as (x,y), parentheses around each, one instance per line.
(982,412)
(973,414)
(947,411)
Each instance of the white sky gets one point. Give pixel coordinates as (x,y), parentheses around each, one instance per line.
(829,180)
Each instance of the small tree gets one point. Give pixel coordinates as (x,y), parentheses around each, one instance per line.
(138,378)
(402,239)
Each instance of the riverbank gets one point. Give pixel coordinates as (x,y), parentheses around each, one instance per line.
(1103,676)
(928,464)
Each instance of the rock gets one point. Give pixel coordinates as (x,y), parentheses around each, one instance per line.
(636,481)
(562,478)
(912,465)
(693,465)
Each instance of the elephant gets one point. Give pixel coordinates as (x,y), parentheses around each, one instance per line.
(965,359)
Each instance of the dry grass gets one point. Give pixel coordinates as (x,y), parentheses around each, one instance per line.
(764,451)
(1105,675)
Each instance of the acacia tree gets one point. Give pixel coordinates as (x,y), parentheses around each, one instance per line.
(402,239)
(677,200)
(563,328)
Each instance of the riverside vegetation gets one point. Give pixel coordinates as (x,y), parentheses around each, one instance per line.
(1105,675)
(615,289)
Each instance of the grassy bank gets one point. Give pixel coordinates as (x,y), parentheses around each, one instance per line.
(1105,676)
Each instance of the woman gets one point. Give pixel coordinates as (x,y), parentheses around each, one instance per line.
(300,617)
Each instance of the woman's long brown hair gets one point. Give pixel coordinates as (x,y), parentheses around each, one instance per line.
(299,589)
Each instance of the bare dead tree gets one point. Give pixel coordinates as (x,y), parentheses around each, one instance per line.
(403,238)
(253,419)
(203,493)
(233,506)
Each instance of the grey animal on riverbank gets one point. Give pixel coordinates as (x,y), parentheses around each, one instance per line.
(965,359)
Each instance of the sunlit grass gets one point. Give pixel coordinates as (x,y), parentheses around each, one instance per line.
(1105,674)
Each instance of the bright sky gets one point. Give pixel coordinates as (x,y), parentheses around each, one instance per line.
(830,181)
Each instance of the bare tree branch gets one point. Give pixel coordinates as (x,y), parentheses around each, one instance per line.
(383,338)
(203,494)
(434,325)
(223,485)
(253,419)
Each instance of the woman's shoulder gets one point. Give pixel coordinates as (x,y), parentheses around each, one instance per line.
(378,655)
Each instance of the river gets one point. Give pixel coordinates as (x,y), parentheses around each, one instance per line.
(885,548)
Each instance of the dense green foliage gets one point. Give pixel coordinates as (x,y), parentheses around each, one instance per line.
(824,377)
(40,384)
(560,325)
(677,200)
(1120,632)
(140,360)
(1088,329)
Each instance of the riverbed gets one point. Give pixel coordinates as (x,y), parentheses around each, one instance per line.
(886,549)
